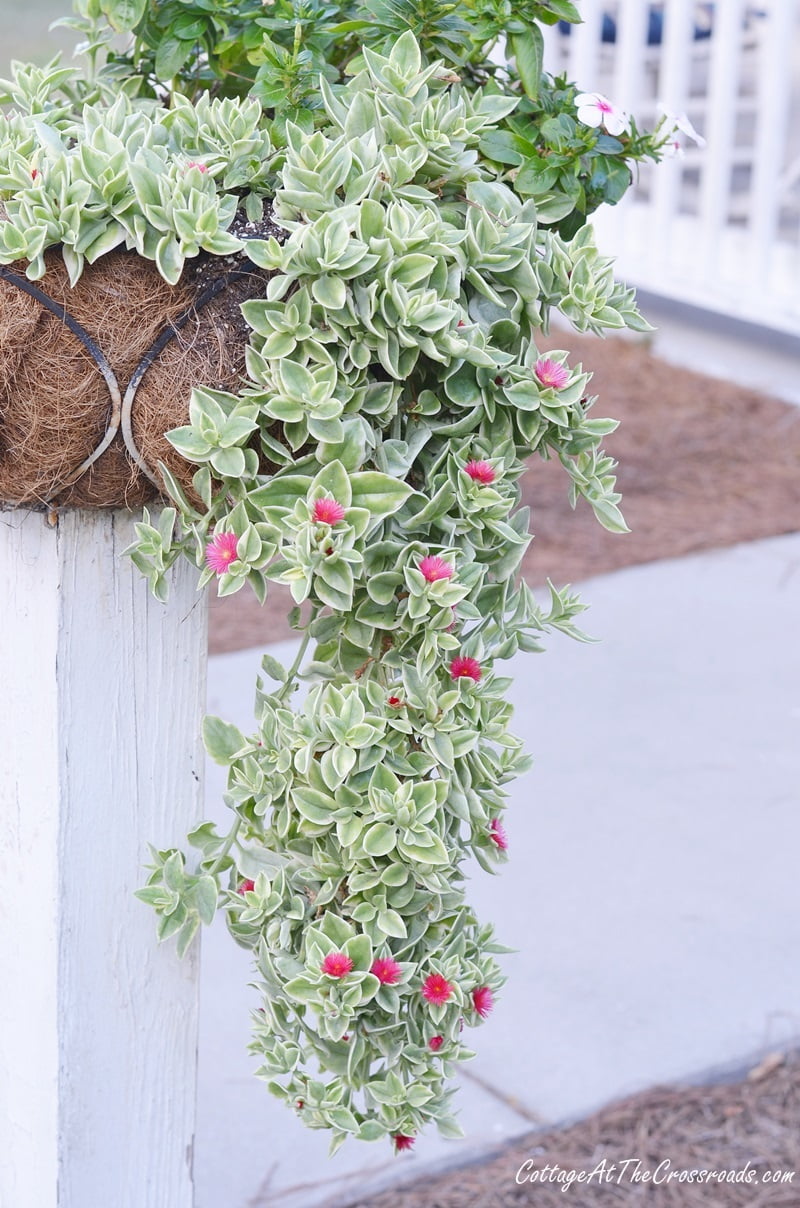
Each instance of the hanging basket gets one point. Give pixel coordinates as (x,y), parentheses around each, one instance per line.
(92,377)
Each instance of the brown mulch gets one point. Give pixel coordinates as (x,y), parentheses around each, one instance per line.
(744,1126)
(702,463)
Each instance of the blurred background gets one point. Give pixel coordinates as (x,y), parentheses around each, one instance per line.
(718,226)
(24,31)
(652,887)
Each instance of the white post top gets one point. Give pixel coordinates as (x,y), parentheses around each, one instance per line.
(103,694)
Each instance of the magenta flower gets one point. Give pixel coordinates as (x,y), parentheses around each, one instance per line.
(465,667)
(480,471)
(436,989)
(551,374)
(221,551)
(435,1043)
(336,964)
(246,887)
(497,834)
(328,511)
(434,568)
(387,970)
(194,164)
(482,1000)
(401,1141)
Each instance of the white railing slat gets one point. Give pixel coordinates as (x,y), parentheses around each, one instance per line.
(774,85)
(706,236)
(584,45)
(723,94)
(673,94)
(631,48)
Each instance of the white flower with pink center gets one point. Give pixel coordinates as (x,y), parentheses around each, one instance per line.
(595,110)
(673,124)
(683,124)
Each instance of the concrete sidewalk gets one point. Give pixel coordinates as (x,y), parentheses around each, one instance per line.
(652,891)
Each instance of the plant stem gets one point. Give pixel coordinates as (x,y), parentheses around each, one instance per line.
(226,847)
(295,667)
(233,833)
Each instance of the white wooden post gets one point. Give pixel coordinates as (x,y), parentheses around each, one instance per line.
(101,695)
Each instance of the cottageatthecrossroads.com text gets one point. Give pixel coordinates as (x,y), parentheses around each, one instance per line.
(636,1172)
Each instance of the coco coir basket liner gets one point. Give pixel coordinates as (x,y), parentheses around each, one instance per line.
(92,377)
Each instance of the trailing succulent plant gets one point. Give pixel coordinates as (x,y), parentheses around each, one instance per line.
(431,215)
(396,348)
(165,183)
(277,53)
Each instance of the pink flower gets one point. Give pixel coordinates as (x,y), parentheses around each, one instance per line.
(387,970)
(436,989)
(336,964)
(34,173)
(465,667)
(482,1000)
(401,1141)
(497,834)
(551,374)
(595,110)
(328,511)
(395,702)
(194,164)
(221,551)
(480,471)
(246,887)
(435,1043)
(434,568)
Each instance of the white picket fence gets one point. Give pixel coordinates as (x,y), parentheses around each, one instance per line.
(720,227)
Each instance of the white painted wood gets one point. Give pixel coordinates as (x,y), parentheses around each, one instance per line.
(631,49)
(29,817)
(673,90)
(775,76)
(100,718)
(553,60)
(706,239)
(584,46)
(722,97)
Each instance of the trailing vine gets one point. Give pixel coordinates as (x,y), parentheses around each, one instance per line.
(431,214)
(397,348)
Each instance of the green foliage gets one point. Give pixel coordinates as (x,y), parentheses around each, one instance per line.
(396,344)
(432,209)
(278,53)
(166,184)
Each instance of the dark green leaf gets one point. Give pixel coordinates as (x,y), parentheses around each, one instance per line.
(528,51)
(171,55)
